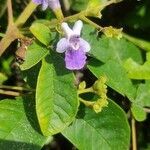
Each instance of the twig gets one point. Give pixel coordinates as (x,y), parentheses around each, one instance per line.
(134,146)
(25,14)
(10,93)
(147,110)
(10,12)
(18,88)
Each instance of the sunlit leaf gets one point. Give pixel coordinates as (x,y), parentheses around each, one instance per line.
(56,96)
(117,77)
(34,53)
(41,32)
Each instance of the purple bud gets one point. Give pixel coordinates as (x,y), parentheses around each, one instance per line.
(53,4)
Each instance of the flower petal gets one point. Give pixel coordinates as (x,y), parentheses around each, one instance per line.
(85,45)
(44,4)
(75,59)
(77,27)
(37,1)
(62,45)
(67,30)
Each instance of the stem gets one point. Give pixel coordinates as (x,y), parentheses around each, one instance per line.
(134,146)
(87,103)
(12,33)
(92,23)
(10,93)
(10,12)
(147,110)
(25,14)
(66,5)
(86,90)
(15,88)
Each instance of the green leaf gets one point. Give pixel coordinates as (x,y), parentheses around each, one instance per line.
(18,126)
(105,48)
(137,71)
(79,5)
(56,96)
(138,112)
(142,100)
(35,52)
(41,32)
(107,130)
(117,78)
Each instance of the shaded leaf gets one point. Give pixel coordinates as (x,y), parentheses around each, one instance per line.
(15,129)
(93,131)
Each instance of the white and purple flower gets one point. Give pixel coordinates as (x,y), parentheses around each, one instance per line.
(74,46)
(53,4)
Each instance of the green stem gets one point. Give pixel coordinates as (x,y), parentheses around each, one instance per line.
(87,90)
(145,45)
(92,23)
(87,103)
(25,14)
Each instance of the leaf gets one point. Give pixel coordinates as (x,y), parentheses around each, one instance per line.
(16,131)
(137,71)
(41,32)
(142,100)
(35,52)
(56,96)
(107,130)
(105,48)
(138,112)
(117,78)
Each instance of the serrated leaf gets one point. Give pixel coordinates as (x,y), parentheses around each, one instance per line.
(107,130)
(56,96)
(41,32)
(34,53)
(16,131)
(116,75)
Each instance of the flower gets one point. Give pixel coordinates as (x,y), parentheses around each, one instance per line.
(74,46)
(53,4)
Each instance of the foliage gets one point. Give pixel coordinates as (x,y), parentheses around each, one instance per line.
(40,97)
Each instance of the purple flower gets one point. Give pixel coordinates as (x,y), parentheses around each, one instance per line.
(74,46)
(53,4)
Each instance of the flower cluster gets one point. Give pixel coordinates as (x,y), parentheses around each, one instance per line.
(74,46)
